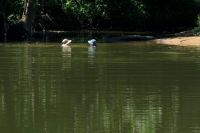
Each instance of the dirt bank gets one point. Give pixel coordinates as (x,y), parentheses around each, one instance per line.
(182,41)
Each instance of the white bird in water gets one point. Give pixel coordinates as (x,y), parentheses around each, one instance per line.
(92,42)
(65,42)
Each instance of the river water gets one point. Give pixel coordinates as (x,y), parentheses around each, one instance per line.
(113,88)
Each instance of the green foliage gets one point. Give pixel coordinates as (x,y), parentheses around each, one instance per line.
(170,14)
(198,20)
(118,13)
(196,30)
(130,14)
(105,14)
(86,11)
(11,7)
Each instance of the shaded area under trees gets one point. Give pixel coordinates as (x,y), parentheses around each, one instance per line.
(19,18)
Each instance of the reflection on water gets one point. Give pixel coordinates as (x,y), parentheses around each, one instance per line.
(66,54)
(91,52)
(113,88)
(91,56)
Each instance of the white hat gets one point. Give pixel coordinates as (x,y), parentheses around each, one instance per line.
(66,41)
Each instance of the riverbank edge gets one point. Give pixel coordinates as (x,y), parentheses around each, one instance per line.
(185,38)
(181,41)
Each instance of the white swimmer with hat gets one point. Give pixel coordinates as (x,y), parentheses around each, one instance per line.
(93,42)
(66,42)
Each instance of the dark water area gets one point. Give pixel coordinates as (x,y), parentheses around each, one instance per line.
(113,88)
(101,36)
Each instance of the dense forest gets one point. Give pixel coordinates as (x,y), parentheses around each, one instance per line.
(20,18)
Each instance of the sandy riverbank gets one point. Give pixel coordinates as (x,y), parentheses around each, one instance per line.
(182,41)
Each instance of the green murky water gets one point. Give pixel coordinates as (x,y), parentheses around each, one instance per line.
(114,88)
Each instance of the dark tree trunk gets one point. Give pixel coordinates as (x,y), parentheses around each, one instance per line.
(4,19)
(5,26)
(28,16)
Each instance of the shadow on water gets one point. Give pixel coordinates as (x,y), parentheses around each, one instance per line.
(83,36)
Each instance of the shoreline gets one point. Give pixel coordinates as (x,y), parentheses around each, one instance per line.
(179,41)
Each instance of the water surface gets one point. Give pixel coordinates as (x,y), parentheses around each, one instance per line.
(114,88)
